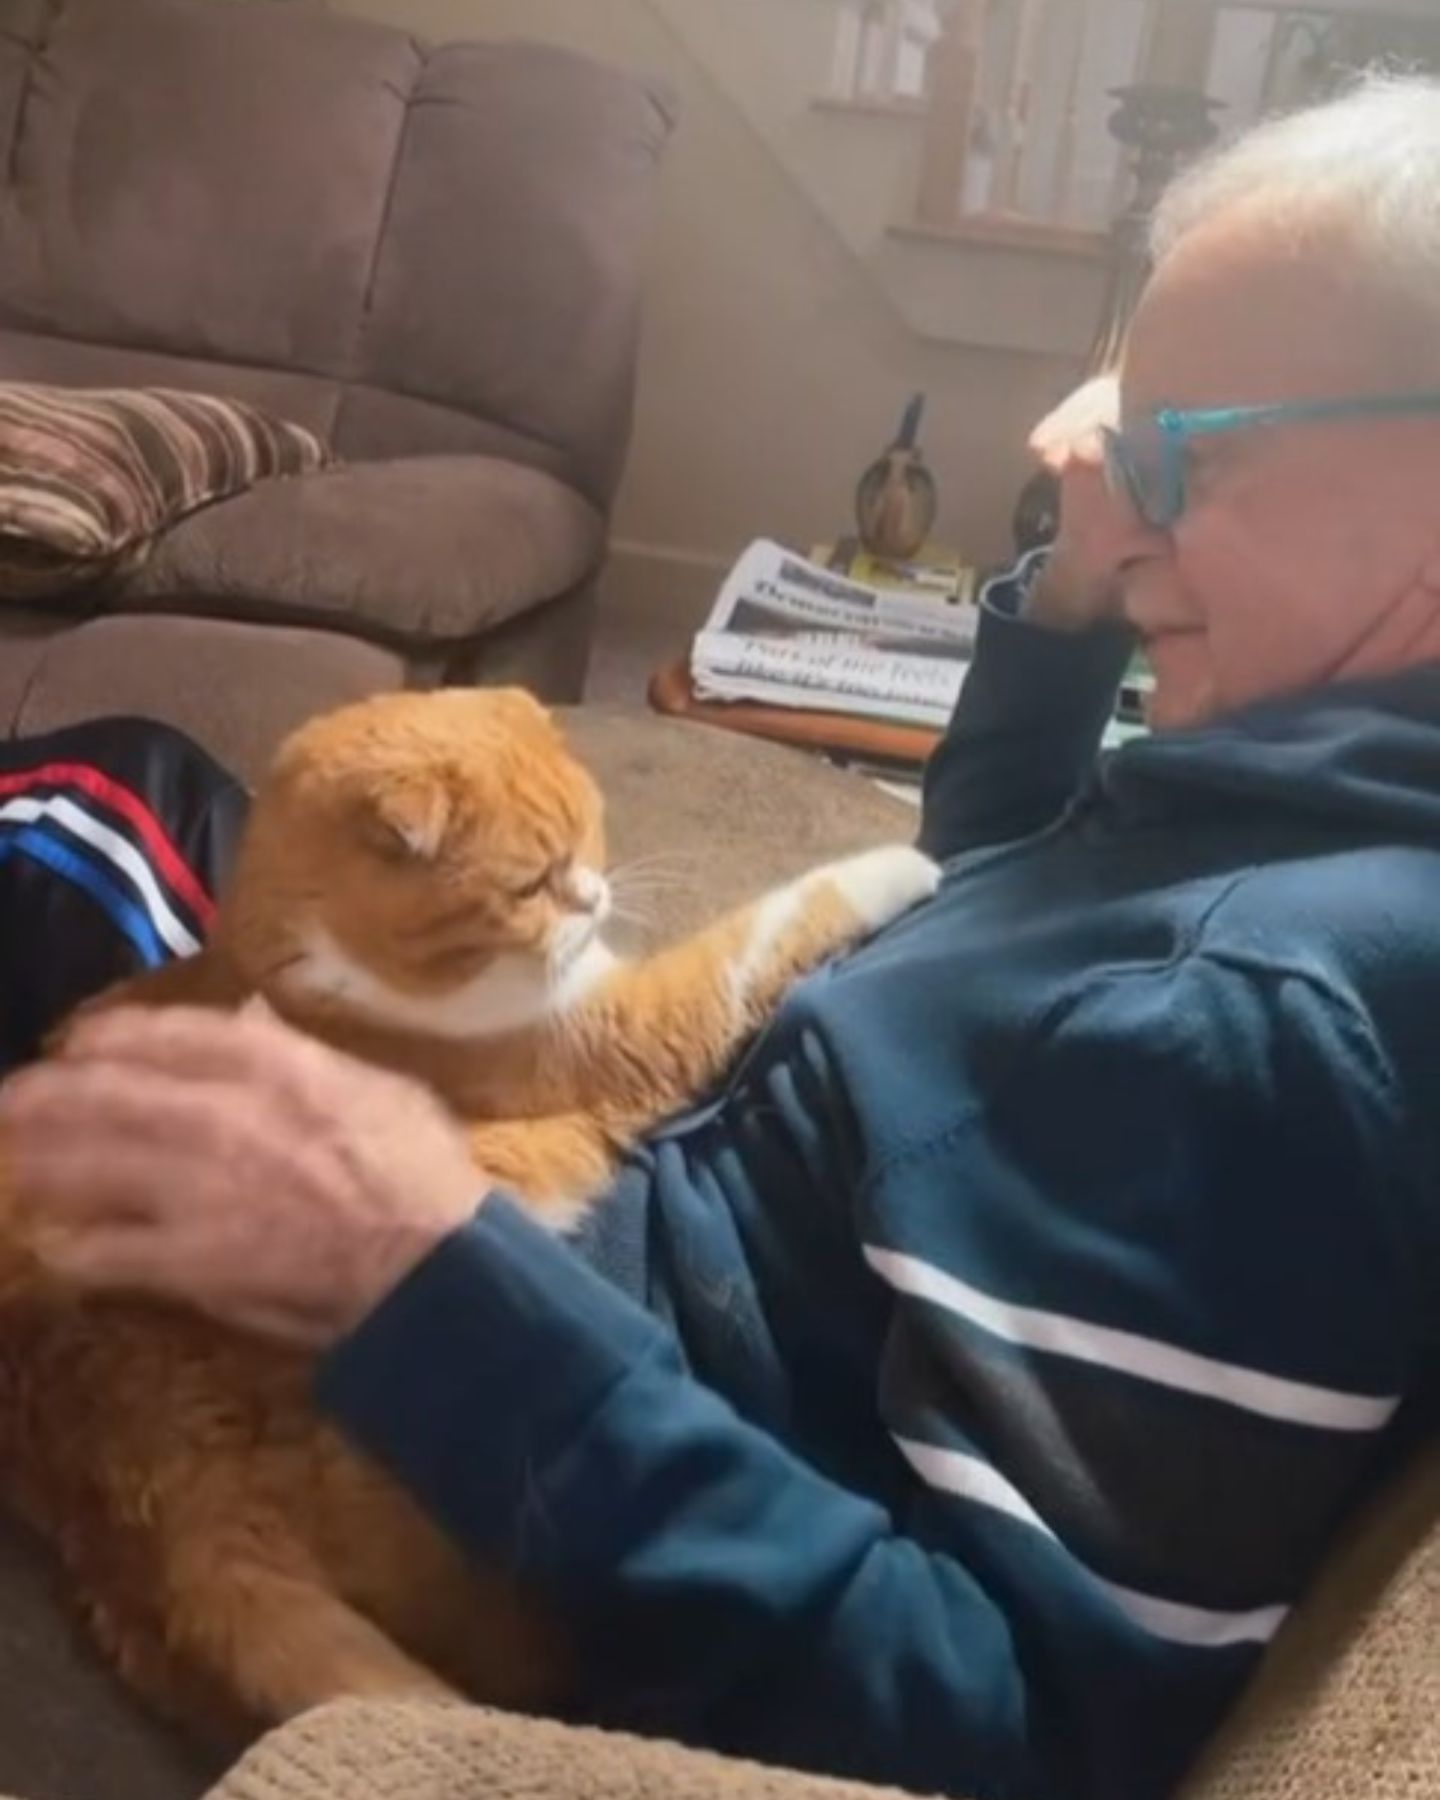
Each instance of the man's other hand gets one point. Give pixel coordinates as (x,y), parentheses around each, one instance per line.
(231,1163)
(1078,588)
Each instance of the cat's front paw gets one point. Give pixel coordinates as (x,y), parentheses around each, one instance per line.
(882,884)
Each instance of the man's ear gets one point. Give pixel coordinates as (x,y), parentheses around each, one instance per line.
(406,820)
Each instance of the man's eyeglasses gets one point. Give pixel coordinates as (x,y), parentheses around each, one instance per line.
(1145,463)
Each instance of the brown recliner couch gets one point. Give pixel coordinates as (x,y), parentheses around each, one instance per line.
(429,255)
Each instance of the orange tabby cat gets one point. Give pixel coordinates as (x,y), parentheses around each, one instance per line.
(420,884)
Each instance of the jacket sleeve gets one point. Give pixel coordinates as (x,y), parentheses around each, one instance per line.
(1026,728)
(721,1590)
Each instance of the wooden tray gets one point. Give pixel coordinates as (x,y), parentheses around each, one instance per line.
(872,740)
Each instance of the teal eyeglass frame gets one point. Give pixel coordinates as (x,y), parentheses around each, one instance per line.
(1145,464)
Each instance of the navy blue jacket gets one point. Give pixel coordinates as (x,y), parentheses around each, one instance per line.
(1042,1291)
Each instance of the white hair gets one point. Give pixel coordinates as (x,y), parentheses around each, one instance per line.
(1365,165)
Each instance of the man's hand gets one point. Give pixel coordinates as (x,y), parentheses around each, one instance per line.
(231,1163)
(1078,588)
(1073,428)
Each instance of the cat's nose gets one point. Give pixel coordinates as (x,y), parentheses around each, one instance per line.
(591,891)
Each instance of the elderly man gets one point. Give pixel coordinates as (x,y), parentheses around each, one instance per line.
(1014,1330)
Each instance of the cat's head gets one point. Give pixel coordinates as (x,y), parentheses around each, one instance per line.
(428,861)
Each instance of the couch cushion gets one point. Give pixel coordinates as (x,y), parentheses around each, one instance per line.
(67,1730)
(208,180)
(375,423)
(428,550)
(89,478)
(504,279)
(285,187)
(24,642)
(235,688)
(69,362)
(21,25)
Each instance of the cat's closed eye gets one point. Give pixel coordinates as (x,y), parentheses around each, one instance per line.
(531,890)
(390,843)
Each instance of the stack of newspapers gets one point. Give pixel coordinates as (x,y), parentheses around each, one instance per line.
(787,631)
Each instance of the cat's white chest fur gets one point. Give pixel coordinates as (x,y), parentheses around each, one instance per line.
(510,994)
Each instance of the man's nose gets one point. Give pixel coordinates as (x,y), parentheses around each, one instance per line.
(1133,539)
(1101,531)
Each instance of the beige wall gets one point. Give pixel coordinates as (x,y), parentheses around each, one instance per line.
(774,367)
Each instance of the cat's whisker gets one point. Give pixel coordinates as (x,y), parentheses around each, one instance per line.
(648,884)
(652,878)
(660,859)
(631,915)
(647,900)
(665,869)
(641,883)
(655,872)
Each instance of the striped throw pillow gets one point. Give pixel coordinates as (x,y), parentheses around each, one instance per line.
(90,477)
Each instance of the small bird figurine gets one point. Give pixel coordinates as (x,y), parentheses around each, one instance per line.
(896,502)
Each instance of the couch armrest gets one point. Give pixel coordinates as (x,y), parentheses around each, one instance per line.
(360,1750)
(426,551)
(1347,1703)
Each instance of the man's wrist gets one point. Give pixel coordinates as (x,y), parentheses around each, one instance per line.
(392,1257)
(481,1366)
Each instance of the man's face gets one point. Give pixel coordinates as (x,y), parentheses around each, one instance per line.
(1307,552)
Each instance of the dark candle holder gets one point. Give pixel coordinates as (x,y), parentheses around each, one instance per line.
(1163,128)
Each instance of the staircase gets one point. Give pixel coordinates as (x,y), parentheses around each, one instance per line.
(856,147)
(959,149)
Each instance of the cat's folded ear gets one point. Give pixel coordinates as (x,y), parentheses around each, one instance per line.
(516,710)
(405,819)
(516,706)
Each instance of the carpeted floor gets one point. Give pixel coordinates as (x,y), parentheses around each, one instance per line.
(636,633)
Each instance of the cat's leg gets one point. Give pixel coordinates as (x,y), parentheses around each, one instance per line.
(276,1642)
(221,1643)
(652,1034)
(795,928)
(131,1639)
(242,1588)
